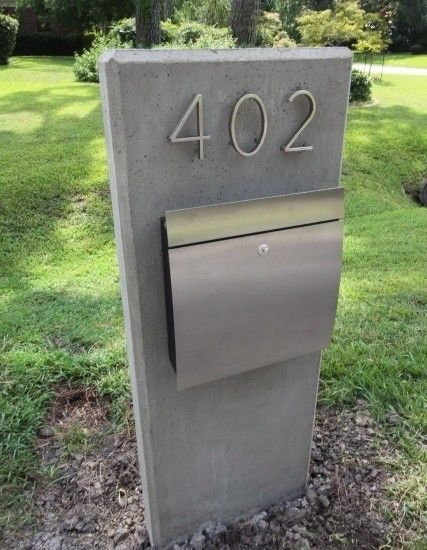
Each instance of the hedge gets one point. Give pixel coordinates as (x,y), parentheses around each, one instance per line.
(46,43)
(8,30)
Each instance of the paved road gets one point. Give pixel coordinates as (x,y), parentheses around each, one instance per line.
(391,70)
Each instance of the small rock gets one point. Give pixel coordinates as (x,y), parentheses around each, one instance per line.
(261,525)
(300,529)
(392,419)
(258,517)
(120,535)
(257,541)
(49,497)
(45,432)
(97,490)
(212,529)
(70,523)
(198,541)
(377,528)
(311,495)
(363,421)
(324,501)
(294,514)
(55,543)
(246,528)
(275,527)
(303,503)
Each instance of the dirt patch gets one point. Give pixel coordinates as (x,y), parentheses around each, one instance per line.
(94,498)
(417,190)
(77,406)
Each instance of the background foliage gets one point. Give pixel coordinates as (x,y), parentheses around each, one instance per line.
(346,24)
(399,24)
(360,88)
(86,65)
(8,30)
(48,43)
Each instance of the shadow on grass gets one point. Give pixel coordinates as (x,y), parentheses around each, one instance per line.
(381,82)
(50,170)
(70,337)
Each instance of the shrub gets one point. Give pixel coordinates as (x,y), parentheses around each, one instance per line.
(360,88)
(270,31)
(125,30)
(417,49)
(8,30)
(187,34)
(46,43)
(85,67)
(208,12)
(195,35)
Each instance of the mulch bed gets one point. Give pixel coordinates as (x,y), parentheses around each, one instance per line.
(95,498)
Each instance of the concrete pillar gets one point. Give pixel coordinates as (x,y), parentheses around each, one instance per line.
(217,449)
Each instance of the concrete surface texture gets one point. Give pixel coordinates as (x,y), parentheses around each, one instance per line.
(218,449)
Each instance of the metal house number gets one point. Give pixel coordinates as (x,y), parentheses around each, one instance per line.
(288,148)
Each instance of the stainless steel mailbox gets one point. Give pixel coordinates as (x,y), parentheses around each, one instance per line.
(251,283)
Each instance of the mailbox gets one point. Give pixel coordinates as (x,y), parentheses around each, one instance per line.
(251,283)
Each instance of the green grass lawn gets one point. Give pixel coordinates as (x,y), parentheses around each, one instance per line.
(60,311)
(397,60)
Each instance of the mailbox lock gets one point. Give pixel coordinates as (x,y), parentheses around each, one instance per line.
(263,250)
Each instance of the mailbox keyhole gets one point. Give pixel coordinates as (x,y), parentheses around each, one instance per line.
(263,250)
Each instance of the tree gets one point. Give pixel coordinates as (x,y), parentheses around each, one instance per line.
(289,11)
(319,5)
(410,27)
(147,15)
(168,6)
(209,12)
(347,24)
(386,8)
(80,15)
(244,14)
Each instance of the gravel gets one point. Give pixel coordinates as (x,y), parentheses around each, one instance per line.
(96,500)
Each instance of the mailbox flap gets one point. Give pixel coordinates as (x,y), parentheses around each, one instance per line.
(225,220)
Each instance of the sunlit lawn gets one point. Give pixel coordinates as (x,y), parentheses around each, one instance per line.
(61,318)
(399,60)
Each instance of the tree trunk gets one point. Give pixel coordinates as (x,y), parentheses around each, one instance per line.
(244,14)
(167,9)
(147,15)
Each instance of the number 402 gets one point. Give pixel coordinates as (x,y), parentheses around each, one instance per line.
(198,102)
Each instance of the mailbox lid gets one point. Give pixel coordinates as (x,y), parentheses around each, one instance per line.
(235,310)
(225,220)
